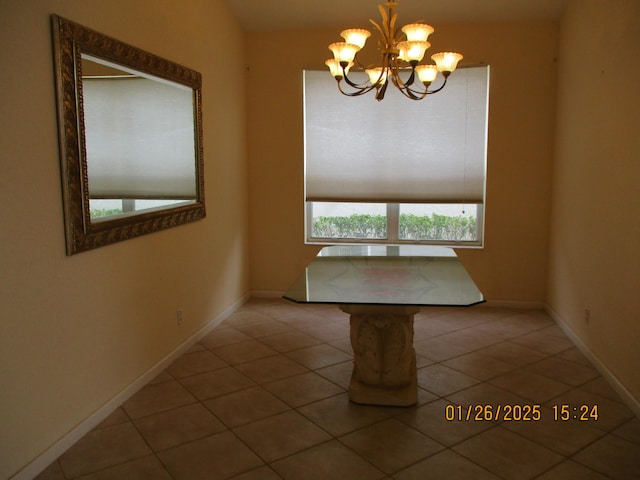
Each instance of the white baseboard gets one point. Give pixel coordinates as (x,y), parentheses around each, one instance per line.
(626,396)
(52,453)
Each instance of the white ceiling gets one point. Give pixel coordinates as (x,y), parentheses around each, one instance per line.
(261,15)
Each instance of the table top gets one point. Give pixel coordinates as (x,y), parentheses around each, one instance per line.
(386,275)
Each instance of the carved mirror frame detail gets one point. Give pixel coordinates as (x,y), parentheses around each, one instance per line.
(70,40)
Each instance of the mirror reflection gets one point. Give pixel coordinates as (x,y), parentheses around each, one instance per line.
(139,135)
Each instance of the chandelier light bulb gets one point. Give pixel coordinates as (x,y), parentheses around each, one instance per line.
(417,32)
(427,73)
(344,52)
(377,76)
(356,36)
(446,61)
(336,69)
(412,51)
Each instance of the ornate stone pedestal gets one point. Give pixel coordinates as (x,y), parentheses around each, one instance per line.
(384,371)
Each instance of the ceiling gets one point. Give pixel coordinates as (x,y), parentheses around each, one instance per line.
(262,15)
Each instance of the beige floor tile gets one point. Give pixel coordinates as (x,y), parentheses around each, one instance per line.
(338,416)
(545,340)
(261,473)
(600,387)
(611,414)
(270,368)
(469,317)
(157,398)
(480,366)
(246,406)
(246,316)
(423,361)
(219,382)
(340,374)
(424,397)
(575,355)
(565,371)
(118,416)
(486,394)
(342,344)
(197,362)
(501,329)
(318,356)
(224,335)
(569,470)
(180,425)
(507,454)
(436,312)
(391,445)
(535,388)
(303,389)
(264,328)
(565,438)
(103,448)
(325,461)
(431,419)
(509,352)
(164,376)
(612,456)
(534,318)
(474,338)
(445,465)
(218,456)
(429,326)
(52,472)
(440,348)
(629,431)
(244,352)
(444,381)
(146,468)
(196,347)
(281,435)
(328,332)
(293,340)
(303,422)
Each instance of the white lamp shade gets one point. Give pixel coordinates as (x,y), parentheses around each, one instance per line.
(356,36)
(344,52)
(417,32)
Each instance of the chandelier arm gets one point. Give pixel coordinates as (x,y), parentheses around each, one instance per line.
(413,94)
(439,88)
(353,84)
(359,90)
(382,90)
(398,82)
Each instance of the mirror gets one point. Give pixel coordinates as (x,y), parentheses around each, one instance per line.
(130,134)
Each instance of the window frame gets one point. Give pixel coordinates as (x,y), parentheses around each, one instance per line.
(393,230)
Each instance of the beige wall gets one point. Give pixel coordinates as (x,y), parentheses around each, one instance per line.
(75,331)
(512,266)
(595,240)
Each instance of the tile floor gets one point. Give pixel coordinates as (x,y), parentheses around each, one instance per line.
(264,396)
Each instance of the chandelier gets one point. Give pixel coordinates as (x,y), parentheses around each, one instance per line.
(401,50)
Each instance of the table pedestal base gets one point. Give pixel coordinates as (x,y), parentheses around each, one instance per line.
(384,370)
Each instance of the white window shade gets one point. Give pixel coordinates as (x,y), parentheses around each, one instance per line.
(139,139)
(397,150)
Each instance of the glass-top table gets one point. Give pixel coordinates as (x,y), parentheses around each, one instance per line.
(382,288)
(386,275)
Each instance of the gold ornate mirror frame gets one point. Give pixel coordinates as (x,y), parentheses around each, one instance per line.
(71,41)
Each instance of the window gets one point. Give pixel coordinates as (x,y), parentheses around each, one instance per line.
(396,171)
